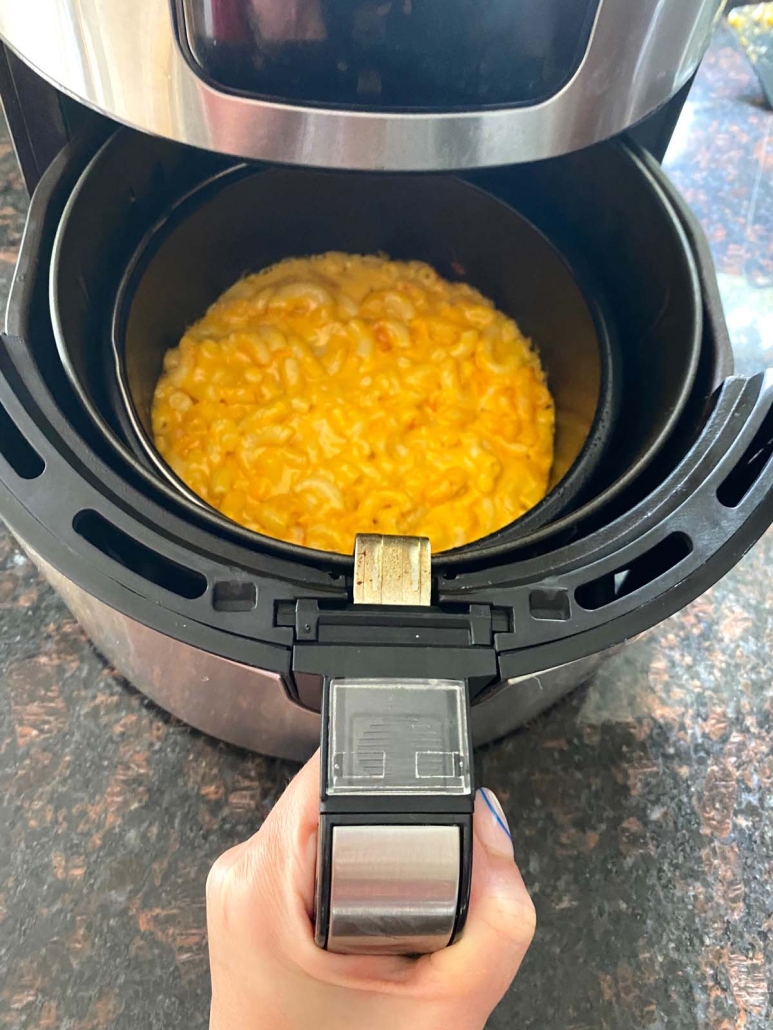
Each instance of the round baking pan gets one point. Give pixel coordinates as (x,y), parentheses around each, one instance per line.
(250,220)
(166,236)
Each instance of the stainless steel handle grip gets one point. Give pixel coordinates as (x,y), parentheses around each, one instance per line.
(394,889)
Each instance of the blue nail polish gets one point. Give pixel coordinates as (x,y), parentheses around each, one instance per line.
(493,808)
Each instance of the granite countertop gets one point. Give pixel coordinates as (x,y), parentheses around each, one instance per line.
(640,807)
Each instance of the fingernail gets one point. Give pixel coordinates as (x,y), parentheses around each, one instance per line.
(491,824)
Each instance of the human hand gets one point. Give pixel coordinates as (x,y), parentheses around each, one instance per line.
(268,974)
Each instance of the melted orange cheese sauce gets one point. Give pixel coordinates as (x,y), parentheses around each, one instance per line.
(335,395)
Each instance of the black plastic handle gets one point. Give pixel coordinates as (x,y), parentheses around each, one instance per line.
(666,551)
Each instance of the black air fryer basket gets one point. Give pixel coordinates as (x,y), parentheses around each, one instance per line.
(644,538)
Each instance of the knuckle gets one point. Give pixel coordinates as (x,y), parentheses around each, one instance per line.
(219,876)
(515,922)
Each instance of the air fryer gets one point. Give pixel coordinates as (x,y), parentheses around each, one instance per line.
(662,486)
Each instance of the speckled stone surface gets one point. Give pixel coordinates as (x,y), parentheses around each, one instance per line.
(641,807)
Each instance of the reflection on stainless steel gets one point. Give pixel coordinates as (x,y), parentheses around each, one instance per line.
(237,703)
(519,700)
(124,59)
(393,888)
(277,20)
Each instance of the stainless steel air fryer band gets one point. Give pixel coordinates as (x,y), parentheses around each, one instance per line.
(126,61)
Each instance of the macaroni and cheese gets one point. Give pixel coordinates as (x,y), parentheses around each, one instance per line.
(337,394)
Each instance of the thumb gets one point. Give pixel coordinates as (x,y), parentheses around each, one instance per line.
(501,919)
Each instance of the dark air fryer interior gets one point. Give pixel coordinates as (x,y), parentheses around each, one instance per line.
(602,209)
(606,211)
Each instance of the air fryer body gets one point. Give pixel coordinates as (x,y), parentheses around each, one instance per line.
(240,639)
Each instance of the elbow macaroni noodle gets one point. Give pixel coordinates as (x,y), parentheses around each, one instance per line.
(335,395)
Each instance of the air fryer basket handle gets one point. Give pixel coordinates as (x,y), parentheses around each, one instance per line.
(396,791)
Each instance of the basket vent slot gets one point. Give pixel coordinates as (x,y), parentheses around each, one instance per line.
(739,482)
(137,557)
(642,571)
(550,605)
(20,455)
